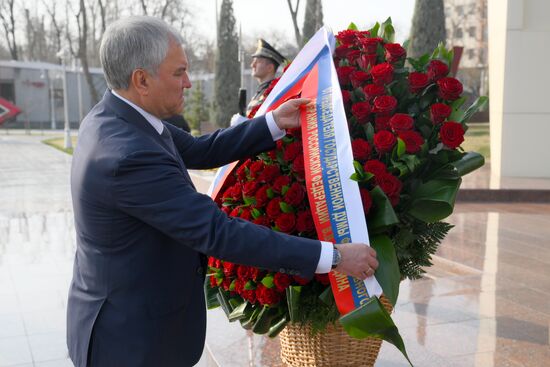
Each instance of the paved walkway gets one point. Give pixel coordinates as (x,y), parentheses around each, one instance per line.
(485,302)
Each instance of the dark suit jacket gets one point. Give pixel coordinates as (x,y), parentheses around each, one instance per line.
(136,298)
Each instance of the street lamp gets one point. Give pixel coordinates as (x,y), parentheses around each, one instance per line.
(62,54)
(46,75)
(78,67)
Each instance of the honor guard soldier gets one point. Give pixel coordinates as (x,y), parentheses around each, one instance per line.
(265,62)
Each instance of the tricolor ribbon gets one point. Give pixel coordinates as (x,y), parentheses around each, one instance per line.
(336,204)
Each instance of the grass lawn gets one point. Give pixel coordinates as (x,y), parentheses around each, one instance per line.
(477,139)
(59,143)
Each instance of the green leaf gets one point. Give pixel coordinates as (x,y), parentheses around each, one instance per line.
(248,322)
(373,320)
(238,312)
(355,177)
(374,30)
(293,299)
(232,285)
(278,326)
(400,147)
(387,274)
(224,302)
(352,26)
(476,106)
(369,132)
(386,31)
(270,193)
(210,294)
(434,200)
(468,163)
(267,281)
(263,322)
(327,297)
(249,200)
(411,161)
(249,285)
(458,103)
(256,213)
(285,208)
(382,213)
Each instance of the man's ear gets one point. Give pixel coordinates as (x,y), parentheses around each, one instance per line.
(140,81)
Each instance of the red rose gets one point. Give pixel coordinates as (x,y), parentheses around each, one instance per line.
(437,70)
(361,149)
(449,88)
(346,36)
(418,81)
(212,262)
(229,269)
(382,73)
(280,182)
(255,168)
(391,187)
(295,194)
(451,134)
(286,222)
(304,222)
(346,98)
(352,56)
(394,52)
(243,272)
(375,167)
(267,296)
(322,278)
(382,122)
(262,221)
(300,280)
(412,140)
(270,172)
(366,61)
(281,281)
(235,212)
(343,73)
(439,112)
(358,78)
(298,166)
(361,111)
(249,295)
(366,200)
(246,214)
(239,285)
(373,90)
(272,154)
(292,150)
(273,209)
(226,283)
(385,104)
(370,45)
(256,273)
(401,121)
(261,196)
(250,188)
(213,282)
(384,141)
(242,170)
(342,51)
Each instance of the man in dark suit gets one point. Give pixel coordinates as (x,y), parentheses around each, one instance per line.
(136,297)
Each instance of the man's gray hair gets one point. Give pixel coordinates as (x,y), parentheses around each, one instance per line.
(138,42)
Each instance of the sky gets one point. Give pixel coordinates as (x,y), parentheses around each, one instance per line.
(263,16)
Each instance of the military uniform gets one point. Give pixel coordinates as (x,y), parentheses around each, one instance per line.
(267,51)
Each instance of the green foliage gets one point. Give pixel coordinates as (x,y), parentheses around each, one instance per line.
(415,243)
(197,109)
(228,71)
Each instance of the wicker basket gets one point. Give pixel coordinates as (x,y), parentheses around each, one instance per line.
(330,348)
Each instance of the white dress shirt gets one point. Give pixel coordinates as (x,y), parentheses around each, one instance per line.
(325,261)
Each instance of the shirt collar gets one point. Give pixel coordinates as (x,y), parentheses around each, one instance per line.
(153,120)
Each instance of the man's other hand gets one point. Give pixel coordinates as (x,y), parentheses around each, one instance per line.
(287,115)
(358,260)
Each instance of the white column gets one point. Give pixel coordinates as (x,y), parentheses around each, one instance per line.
(519,35)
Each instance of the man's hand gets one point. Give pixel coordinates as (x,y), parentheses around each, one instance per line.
(358,260)
(287,115)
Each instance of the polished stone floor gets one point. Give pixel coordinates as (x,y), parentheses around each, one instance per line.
(485,302)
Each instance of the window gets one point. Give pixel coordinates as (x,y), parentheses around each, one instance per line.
(460,10)
(472,31)
(471,54)
(458,33)
(7,91)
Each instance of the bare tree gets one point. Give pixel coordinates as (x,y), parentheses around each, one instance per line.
(7,17)
(294,15)
(57,29)
(37,47)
